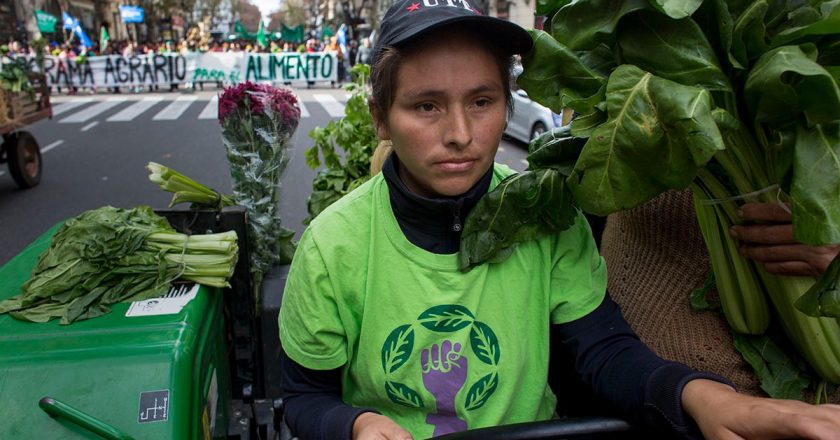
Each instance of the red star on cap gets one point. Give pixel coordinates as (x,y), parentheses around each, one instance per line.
(413,7)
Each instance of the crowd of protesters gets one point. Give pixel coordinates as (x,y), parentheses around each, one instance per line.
(353,52)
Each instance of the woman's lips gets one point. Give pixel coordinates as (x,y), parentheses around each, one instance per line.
(456,165)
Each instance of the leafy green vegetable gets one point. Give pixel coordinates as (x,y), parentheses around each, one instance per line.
(737,99)
(186,190)
(110,255)
(823,298)
(355,135)
(778,373)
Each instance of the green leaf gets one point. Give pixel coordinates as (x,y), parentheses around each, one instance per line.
(481,391)
(659,133)
(583,25)
(403,395)
(700,296)
(816,184)
(556,78)
(748,35)
(676,9)
(828,24)
(397,348)
(557,149)
(545,7)
(714,19)
(520,208)
(484,343)
(672,49)
(446,318)
(823,298)
(781,376)
(786,82)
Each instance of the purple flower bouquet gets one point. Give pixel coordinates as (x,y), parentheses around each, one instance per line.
(258,123)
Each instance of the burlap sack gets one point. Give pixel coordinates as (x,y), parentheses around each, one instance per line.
(655,257)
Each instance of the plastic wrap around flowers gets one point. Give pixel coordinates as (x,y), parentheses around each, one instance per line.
(258,123)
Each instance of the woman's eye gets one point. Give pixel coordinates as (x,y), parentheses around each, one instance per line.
(483,102)
(426,107)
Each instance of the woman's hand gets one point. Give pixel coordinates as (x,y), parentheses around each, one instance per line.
(372,426)
(767,237)
(722,413)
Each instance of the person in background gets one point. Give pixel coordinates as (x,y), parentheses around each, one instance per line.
(383,337)
(364,52)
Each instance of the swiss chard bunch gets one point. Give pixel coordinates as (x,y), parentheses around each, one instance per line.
(738,100)
(110,255)
(355,135)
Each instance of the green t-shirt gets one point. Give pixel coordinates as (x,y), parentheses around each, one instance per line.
(435,349)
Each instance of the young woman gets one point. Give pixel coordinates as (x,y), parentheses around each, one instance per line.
(383,337)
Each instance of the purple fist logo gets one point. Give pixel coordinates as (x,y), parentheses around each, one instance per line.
(444,374)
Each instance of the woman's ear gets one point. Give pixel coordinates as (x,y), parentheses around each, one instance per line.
(381,125)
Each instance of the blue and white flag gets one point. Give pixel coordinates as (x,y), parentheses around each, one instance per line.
(72,23)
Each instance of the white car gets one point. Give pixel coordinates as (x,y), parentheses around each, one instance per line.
(530,119)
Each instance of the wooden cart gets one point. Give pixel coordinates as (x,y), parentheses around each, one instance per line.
(20,149)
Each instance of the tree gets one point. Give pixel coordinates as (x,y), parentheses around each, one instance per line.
(249,15)
(294,13)
(275,21)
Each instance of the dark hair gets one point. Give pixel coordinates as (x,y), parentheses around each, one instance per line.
(383,76)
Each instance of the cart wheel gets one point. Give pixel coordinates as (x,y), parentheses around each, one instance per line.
(24,157)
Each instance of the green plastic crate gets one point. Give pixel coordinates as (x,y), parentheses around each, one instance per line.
(150,377)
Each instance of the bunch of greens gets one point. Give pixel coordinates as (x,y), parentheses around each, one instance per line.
(186,190)
(355,135)
(258,123)
(737,99)
(14,77)
(110,255)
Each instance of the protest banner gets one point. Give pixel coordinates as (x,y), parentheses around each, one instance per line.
(176,68)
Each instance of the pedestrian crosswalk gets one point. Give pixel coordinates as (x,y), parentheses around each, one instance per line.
(161,108)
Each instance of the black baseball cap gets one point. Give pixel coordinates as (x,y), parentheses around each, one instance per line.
(409,19)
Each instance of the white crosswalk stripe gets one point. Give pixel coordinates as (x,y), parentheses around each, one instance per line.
(135,110)
(175,109)
(92,111)
(70,105)
(330,104)
(86,109)
(304,113)
(211,110)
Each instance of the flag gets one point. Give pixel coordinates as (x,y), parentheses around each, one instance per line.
(261,37)
(72,24)
(103,38)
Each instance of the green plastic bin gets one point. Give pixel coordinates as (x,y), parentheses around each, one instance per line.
(147,377)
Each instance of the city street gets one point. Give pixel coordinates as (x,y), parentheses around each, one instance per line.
(96,147)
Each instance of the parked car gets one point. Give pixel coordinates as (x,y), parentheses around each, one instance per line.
(530,119)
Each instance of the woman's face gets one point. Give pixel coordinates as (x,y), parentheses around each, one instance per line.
(448,115)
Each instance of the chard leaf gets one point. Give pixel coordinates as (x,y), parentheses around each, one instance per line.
(827,24)
(786,82)
(781,376)
(659,133)
(519,209)
(545,7)
(699,298)
(584,125)
(556,78)
(816,184)
(672,49)
(584,24)
(748,35)
(676,9)
(555,149)
(714,19)
(823,298)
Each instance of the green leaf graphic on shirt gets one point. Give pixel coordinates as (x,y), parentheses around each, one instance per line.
(403,395)
(446,318)
(484,343)
(397,348)
(481,391)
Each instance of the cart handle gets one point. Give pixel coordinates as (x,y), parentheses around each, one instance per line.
(57,408)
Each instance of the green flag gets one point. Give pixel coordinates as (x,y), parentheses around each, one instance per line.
(261,37)
(239,30)
(103,39)
(46,22)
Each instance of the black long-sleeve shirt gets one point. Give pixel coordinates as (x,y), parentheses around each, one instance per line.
(608,356)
